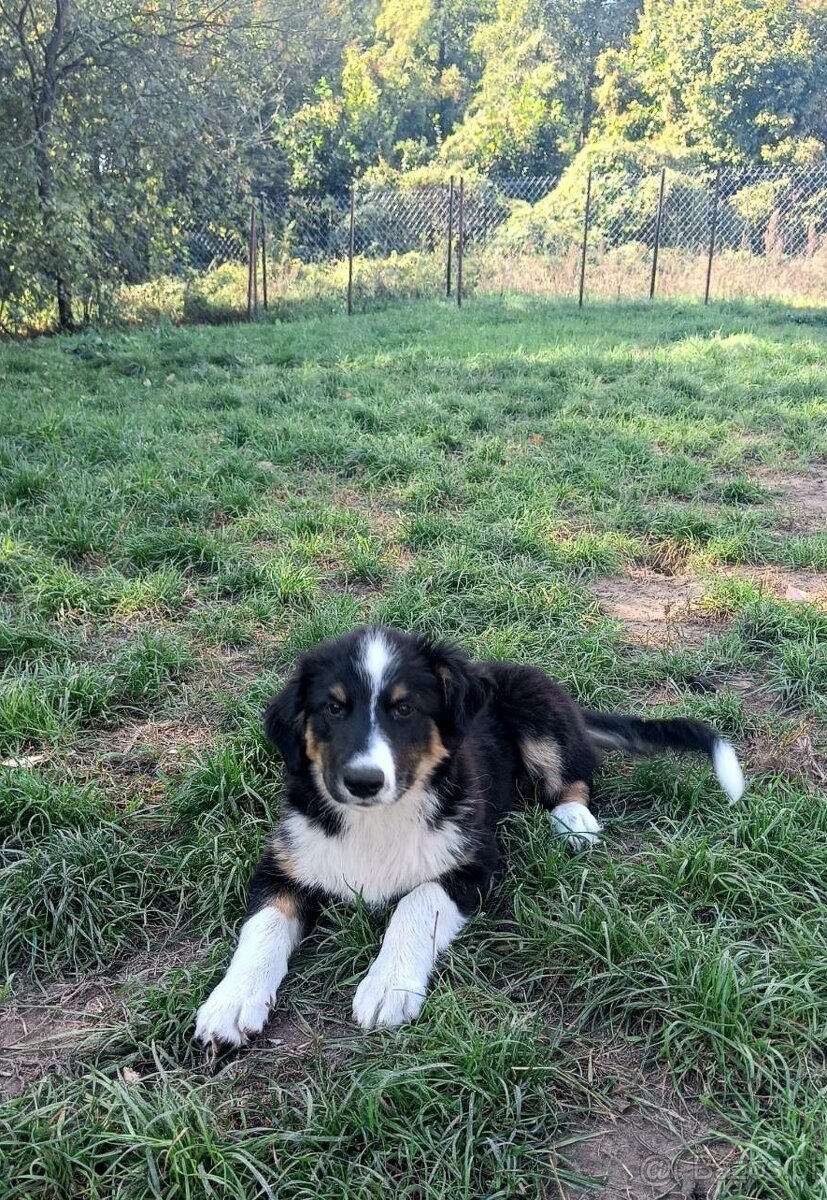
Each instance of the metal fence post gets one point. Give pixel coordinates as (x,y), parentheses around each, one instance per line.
(252,268)
(713,229)
(658,220)
(586,218)
(450,237)
(460,233)
(264,260)
(350,243)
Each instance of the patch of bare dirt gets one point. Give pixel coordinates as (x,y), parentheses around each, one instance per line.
(165,738)
(787,584)
(800,751)
(652,1145)
(132,759)
(751,691)
(246,662)
(648,1153)
(655,609)
(659,609)
(36,1033)
(286,1044)
(38,1029)
(804,498)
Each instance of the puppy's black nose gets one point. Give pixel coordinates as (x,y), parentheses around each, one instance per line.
(363,781)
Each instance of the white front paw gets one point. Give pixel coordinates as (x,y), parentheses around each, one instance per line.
(232,1013)
(385,998)
(578,823)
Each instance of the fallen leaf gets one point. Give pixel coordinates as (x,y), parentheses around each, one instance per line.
(794,593)
(130,1076)
(29,760)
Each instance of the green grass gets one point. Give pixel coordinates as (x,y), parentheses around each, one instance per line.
(182,511)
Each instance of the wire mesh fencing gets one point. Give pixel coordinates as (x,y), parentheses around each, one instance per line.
(613,232)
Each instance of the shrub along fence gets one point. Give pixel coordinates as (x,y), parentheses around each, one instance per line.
(611,231)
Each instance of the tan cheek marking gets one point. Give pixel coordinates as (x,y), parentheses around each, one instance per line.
(542,757)
(434,753)
(311,745)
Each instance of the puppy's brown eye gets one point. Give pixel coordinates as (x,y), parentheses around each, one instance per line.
(402,708)
(334,708)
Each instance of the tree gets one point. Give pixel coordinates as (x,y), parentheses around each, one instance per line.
(583,30)
(111,114)
(403,86)
(516,121)
(740,80)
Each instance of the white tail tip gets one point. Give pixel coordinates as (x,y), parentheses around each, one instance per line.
(728,770)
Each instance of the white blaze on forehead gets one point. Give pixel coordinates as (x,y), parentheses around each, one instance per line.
(376,659)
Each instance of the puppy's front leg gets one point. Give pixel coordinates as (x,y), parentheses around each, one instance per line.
(239,1006)
(425,922)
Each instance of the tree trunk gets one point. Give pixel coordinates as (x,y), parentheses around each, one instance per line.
(44,102)
(587,106)
(440,66)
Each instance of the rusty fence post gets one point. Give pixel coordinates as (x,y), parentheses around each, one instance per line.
(658,221)
(263,260)
(713,229)
(449,263)
(586,219)
(252,267)
(350,245)
(460,237)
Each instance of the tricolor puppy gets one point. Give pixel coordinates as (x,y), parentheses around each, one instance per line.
(402,756)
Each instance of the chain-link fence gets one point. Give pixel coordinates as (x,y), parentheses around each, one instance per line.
(615,232)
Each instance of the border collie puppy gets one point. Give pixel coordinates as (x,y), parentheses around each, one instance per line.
(402,756)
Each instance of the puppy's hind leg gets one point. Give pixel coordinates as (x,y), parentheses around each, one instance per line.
(572,817)
(568,803)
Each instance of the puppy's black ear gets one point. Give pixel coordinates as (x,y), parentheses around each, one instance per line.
(465,685)
(284,722)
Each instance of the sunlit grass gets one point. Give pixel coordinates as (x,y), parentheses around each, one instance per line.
(183,511)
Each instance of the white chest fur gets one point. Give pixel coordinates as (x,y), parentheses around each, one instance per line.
(380,853)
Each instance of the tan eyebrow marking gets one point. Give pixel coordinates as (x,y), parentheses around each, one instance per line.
(400,692)
(338,693)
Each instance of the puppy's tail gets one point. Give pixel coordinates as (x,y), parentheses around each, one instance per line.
(633,735)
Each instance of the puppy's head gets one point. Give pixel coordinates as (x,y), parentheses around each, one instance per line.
(374,713)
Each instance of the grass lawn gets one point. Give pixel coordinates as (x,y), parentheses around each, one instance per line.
(634,499)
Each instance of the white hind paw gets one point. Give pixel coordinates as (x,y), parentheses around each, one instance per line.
(577,823)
